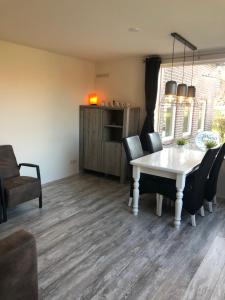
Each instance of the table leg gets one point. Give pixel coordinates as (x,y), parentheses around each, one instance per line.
(180,183)
(136,177)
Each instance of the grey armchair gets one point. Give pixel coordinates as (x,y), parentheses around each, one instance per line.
(15,189)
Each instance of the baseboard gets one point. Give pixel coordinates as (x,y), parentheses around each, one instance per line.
(59,180)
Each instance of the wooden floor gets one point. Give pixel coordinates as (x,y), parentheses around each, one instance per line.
(90,246)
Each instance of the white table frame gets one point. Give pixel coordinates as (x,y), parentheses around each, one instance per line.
(179,175)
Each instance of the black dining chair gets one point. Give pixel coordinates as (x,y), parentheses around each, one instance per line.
(154,142)
(133,149)
(211,184)
(194,191)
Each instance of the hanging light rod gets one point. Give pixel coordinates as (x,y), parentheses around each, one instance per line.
(182,40)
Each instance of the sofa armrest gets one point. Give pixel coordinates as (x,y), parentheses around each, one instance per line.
(18,267)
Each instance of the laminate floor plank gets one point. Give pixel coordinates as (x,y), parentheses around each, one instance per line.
(206,278)
(90,246)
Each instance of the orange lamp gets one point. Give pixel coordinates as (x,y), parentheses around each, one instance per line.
(93,99)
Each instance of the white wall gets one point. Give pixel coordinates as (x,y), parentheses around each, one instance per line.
(123,81)
(40,93)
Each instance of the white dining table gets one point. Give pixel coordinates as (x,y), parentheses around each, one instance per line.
(173,162)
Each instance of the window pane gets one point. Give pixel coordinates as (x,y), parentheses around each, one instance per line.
(168,121)
(187,119)
(201,116)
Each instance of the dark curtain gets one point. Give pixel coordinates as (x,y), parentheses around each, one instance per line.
(152,66)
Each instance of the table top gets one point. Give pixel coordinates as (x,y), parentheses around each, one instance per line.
(179,160)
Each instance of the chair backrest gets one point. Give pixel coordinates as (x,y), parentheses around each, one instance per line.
(8,164)
(214,173)
(200,177)
(132,147)
(154,142)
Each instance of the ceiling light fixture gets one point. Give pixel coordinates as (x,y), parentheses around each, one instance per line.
(182,87)
(180,94)
(134,29)
(191,89)
(171,86)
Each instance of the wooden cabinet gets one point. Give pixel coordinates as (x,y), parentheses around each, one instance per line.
(112,158)
(92,139)
(101,133)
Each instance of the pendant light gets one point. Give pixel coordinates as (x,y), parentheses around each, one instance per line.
(182,87)
(171,86)
(191,89)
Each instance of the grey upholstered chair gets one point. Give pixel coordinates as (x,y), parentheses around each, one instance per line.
(211,184)
(18,267)
(133,149)
(15,189)
(194,190)
(154,142)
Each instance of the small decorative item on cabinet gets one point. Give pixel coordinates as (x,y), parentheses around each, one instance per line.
(93,99)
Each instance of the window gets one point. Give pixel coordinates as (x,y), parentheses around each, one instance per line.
(201,116)
(168,114)
(174,122)
(187,123)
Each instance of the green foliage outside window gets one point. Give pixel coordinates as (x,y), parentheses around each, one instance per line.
(219,124)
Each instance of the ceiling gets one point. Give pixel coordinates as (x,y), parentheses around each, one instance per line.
(98,29)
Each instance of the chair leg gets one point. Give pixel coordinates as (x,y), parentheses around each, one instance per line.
(202,211)
(210,207)
(3,204)
(130,201)
(4,210)
(5,217)
(159,200)
(214,200)
(193,221)
(40,200)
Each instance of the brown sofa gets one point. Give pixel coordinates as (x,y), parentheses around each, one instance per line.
(18,267)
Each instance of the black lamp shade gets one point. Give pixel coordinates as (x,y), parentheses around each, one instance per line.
(182,90)
(171,88)
(191,91)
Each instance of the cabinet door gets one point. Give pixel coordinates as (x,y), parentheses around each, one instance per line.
(92,127)
(112,158)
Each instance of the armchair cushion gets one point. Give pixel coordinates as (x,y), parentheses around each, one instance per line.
(21,189)
(8,164)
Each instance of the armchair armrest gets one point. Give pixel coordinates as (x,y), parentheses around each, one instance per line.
(32,166)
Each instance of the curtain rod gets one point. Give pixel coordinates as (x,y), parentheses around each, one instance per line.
(152,56)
